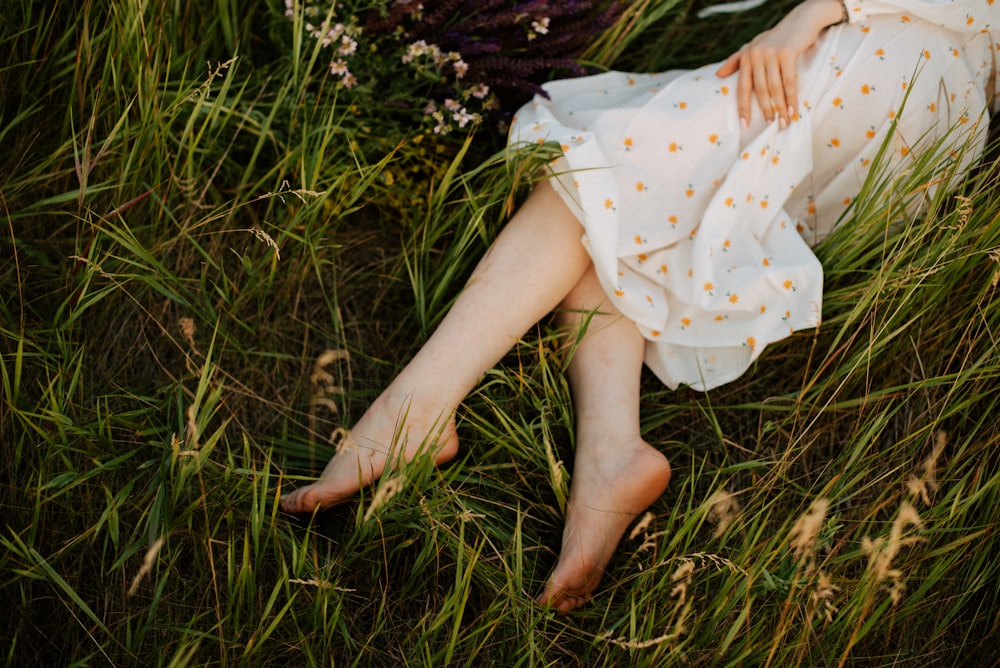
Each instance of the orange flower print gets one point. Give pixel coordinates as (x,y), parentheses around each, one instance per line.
(847,201)
(689,191)
(727,244)
(881,54)
(720,318)
(752,342)
(763,308)
(866,89)
(609,203)
(628,142)
(734,298)
(640,186)
(631,81)
(662,269)
(870,133)
(672,220)
(932,107)
(838,102)
(639,240)
(969,19)
(764,203)
(655,333)
(619,293)
(724,90)
(673,147)
(708,287)
(642,257)
(766,262)
(927,54)
(564,147)
(681,105)
(714,139)
(746,155)
(649,298)
(775,160)
(729,202)
(788,285)
(904,18)
(834,143)
(685,323)
(904,151)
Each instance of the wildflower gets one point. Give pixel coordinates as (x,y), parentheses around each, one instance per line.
(461,68)
(541,26)
(479,91)
(348,45)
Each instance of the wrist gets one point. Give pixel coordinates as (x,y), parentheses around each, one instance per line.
(828,12)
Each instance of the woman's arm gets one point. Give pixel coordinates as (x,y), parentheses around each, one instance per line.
(964,16)
(768,63)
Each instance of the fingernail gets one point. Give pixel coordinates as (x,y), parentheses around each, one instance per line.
(782,123)
(791,111)
(744,124)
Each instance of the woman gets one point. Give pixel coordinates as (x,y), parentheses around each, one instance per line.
(699,194)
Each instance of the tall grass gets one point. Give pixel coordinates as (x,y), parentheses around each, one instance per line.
(210,262)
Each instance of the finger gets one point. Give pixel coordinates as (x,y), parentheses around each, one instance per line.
(760,85)
(744,92)
(790,79)
(776,89)
(730,65)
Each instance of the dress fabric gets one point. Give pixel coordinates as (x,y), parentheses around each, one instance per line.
(700,231)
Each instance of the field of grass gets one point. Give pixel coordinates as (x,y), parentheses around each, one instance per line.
(212,257)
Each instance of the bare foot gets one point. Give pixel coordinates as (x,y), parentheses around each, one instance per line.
(388,432)
(609,490)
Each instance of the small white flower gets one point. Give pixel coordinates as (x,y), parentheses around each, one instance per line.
(480,91)
(541,26)
(461,68)
(348,46)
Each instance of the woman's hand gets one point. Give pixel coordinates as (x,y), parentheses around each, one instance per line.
(768,64)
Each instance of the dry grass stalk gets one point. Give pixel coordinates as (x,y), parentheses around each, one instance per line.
(323,382)
(682,578)
(821,598)
(922,484)
(319,584)
(147,565)
(384,494)
(641,525)
(723,510)
(188,330)
(882,552)
(192,435)
(261,235)
(806,530)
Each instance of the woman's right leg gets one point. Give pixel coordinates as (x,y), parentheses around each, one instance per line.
(616,474)
(532,265)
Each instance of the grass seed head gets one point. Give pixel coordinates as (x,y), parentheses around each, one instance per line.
(806,529)
(724,509)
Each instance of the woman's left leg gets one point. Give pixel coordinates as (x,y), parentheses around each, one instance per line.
(616,474)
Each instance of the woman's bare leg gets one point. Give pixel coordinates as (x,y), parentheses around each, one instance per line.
(616,474)
(533,264)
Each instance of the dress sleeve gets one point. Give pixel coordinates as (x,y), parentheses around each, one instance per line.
(965,16)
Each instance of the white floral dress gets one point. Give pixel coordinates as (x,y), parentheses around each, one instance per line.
(700,231)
